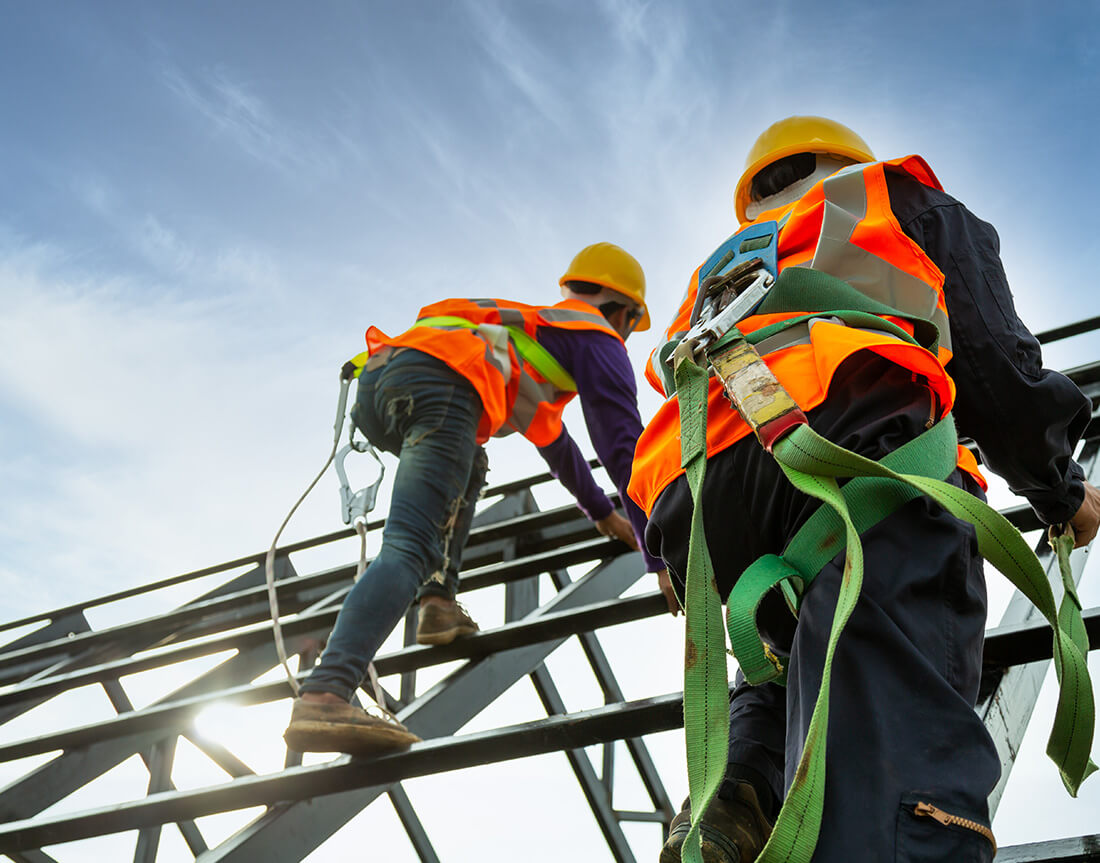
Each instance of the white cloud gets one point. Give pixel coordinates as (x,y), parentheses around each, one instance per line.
(235,112)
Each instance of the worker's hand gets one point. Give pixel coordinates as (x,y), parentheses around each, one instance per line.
(1086,520)
(664,582)
(617,527)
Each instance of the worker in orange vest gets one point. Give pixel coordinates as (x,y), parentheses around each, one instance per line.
(903,738)
(468,370)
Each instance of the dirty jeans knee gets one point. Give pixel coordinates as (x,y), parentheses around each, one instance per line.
(444,582)
(418,408)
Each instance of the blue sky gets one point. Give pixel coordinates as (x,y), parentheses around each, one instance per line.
(203,205)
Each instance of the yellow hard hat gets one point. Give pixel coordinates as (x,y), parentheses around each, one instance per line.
(797,135)
(607,265)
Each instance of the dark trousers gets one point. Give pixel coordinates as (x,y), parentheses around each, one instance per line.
(418,408)
(902,728)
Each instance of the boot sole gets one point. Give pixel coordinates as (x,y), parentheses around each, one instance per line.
(312,736)
(717,848)
(444,636)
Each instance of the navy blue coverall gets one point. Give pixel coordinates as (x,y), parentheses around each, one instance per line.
(902,726)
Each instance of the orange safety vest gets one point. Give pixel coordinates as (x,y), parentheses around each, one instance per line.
(843,226)
(515,395)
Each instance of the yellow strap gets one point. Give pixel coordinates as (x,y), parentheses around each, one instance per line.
(540,359)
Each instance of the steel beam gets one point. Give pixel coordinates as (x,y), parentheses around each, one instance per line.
(1082,849)
(595,792)
(336,779)
(291,831)
(409,820)
(1006,711)
(612,693)
(75,768)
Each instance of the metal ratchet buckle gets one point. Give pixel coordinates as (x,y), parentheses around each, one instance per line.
(729,298)
(732,283)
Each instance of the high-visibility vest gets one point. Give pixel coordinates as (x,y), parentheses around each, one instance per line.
(494,345)
(843,226)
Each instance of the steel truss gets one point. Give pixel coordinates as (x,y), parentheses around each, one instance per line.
(512,545)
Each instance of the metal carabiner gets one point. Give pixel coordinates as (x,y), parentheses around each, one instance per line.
(353,506)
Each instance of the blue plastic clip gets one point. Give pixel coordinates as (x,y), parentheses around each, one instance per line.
(754,241)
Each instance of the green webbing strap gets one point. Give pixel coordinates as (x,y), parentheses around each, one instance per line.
(813,465)
(801,289)
(706,693)
(821,538)
(528,348)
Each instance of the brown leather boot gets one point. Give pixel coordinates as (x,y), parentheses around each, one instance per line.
(442,623)
(733,831)
(317,726)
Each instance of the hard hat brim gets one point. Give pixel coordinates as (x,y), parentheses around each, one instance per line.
(742,195)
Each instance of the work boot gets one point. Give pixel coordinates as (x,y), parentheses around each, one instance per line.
(442,623)
(322,726)
(734,830)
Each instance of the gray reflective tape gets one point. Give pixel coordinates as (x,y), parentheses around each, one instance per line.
(529,395)
(796,335)
(558,316)
(799,334)
(872,276)
(511,317)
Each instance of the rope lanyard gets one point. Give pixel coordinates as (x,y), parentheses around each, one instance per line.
(359,505)
(813,465)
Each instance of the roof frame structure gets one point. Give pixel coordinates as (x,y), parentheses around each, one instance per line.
(513,546)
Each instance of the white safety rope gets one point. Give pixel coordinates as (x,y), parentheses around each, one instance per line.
(269,569)
(365,500)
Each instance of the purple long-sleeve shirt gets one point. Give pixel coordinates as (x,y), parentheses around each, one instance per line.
(601,368)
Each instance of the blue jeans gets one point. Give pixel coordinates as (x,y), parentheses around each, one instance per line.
(419,409)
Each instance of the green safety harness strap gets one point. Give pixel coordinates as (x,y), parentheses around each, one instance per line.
(528,348)
(822,537)
(706,698)
(813,465)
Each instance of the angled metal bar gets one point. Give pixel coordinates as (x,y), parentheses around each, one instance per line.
(318,624)
(256,559)
(409,820)
(1006,710)
(407,692)
(1075,329)
(335,779)
(70,622)
(640,817)
(153,759)
(639,752)
(31,856)
(1082,849)
(219,754)
(521,598)
(290,831)
(74,768)
(159,761)
(596,792)
(170,711)
(75,622)
(220,610)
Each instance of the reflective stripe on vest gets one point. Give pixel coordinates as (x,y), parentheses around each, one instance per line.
(843,226)
(873,276)
(494,345)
